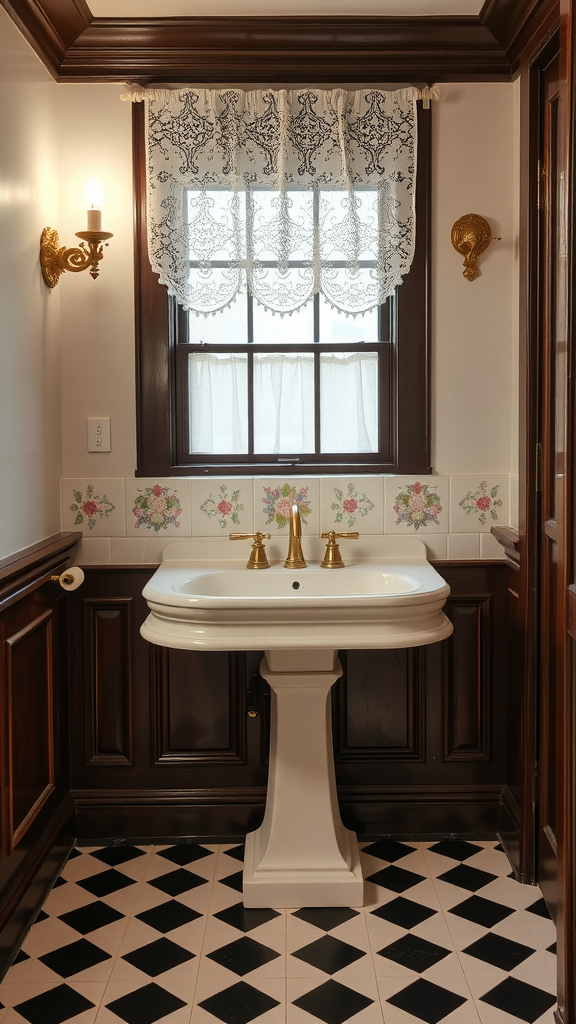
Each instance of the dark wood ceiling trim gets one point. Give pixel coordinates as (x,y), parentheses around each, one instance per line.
(50,26)
(314,49)
(514,23)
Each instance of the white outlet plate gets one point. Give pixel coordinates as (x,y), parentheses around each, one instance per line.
(99,434)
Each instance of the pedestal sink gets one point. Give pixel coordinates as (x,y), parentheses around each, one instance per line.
(387,596)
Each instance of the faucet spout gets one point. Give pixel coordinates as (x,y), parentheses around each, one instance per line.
(295,558)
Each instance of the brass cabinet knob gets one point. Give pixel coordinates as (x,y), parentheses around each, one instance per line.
(332,558)
(258,559)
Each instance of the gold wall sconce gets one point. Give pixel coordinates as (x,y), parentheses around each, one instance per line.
(471,236)
(55,259)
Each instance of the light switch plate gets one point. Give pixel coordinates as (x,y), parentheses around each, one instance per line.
(99,434)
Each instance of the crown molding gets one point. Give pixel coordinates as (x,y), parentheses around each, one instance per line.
(79,48)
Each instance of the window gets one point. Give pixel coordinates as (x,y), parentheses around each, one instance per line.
(316,391)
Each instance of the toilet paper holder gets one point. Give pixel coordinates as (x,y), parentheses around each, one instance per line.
(70,579)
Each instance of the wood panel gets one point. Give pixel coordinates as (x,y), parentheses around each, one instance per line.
(108,647)
(199,706)
(30,684)
(466,681)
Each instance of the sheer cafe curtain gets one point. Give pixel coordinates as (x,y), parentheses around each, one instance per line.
(281,195)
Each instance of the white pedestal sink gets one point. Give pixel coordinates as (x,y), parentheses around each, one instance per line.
(388,596)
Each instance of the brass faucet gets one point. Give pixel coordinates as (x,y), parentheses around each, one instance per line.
(295,558)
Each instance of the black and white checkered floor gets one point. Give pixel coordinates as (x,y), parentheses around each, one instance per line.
(158,933)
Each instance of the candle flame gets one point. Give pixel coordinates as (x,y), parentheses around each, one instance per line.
(94,194)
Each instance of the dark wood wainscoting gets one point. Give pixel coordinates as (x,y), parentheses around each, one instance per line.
(161,743)
(36,808)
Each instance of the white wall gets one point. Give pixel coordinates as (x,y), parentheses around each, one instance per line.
(30,445)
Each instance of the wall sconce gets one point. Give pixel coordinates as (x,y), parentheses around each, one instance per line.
(471,236)
(55,259)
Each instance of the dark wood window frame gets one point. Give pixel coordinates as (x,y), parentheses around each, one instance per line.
(158,322)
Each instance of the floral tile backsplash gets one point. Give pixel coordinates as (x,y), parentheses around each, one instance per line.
(131,520)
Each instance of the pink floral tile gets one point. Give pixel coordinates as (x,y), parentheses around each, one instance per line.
(417,506)
(273,499)
(93,505)
(158,507)
(353,504)
(222,506)
(479,502)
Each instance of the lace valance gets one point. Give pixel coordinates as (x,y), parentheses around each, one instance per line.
(284,193)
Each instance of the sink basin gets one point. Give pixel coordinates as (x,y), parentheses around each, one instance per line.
(388,595)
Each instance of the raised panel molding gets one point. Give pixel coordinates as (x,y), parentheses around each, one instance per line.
(30,684)
(108,666)
(380,706)
(466,683)
(198,707)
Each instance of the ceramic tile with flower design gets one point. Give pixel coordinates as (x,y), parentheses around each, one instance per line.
(479,502)
(417,506)
(273,499)
(158,507)
(94,505)
(222,506)
(353,504)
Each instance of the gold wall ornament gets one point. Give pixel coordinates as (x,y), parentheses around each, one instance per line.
(471,236)
(56,259)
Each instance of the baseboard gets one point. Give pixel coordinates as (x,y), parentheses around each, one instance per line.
(231,812)
(27,889)
(510,830)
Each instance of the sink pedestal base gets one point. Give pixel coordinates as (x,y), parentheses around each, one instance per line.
(302,855)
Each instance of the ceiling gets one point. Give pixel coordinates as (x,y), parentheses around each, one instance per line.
(279,8)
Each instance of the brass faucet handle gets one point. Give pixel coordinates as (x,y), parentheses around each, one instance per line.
(332,558)
(258,559)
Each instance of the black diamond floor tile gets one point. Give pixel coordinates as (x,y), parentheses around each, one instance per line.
(396,879)
(243,955)
(237,852)
(467,878)
(54,1006)
(75,957)
(482,911)
(158,956)
(59,881)
(388,849)
(74,853)
(105,883)
(113,855)
(325,917)
(539,908)
(185,853)
(426,1001)
(245,919)
(332,1002)
(20,958)
(145,1005)
(551,949)
(415,953)
(233,881)
(177,882)
(40,916)
(329,954)
(500,848)
(168,916)
(89,918)
(500,952)
(456,849)
(405,913)
(238,1004)
(519,999)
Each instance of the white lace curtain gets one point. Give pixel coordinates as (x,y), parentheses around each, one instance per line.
(283,193)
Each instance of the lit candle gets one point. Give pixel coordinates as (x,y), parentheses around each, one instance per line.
(94,200)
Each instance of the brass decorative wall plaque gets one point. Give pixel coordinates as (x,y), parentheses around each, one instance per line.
(471,236)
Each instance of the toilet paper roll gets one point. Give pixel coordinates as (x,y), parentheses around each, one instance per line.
(71,578)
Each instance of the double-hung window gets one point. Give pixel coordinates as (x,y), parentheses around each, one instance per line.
(248,390)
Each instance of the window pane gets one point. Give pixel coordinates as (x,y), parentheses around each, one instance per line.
(217,220)
(295,328)
(337,327)
(218,395)
(228,327)
(283,403)
(349,402)
(349,224)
